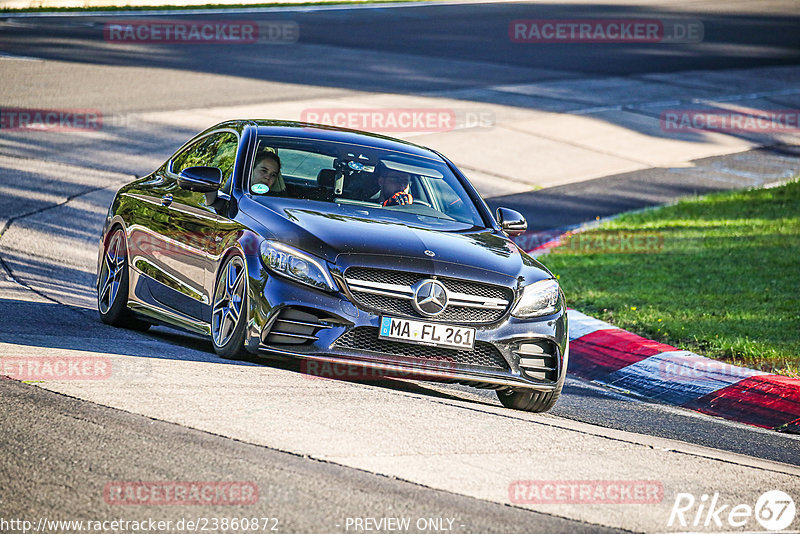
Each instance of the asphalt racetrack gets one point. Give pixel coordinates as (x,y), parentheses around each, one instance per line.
(568,136)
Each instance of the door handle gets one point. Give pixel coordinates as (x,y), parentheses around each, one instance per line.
(166,200)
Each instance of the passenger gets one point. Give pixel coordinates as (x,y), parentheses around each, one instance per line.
(394,187)
(267,171)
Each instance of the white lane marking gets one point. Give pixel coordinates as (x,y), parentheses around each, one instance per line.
(678,376)
(330,6)
(581,324)
(4,55)
(529,89)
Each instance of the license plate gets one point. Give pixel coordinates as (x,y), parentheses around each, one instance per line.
(422,333)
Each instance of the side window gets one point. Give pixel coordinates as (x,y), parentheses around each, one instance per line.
(216,150)
(302,164)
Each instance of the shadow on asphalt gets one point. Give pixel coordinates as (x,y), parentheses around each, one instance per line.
(572,204)
(455,50)
(444,35)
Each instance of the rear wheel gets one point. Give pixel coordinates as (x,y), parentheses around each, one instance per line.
(229,311)
(112,289)
(529,400)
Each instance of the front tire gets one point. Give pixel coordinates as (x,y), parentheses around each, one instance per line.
(229,311)
(112,289)
(529,400)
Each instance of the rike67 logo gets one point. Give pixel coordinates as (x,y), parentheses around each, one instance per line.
(774,511)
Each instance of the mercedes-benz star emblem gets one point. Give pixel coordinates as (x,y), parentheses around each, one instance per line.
(430,297)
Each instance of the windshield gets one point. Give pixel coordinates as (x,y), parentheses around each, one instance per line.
(393,185)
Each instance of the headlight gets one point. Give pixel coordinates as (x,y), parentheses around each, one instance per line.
(539,298)
(298,266)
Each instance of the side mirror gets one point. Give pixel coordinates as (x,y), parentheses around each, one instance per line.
(200,179)
(512,222)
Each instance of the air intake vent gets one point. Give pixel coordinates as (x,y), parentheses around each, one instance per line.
(537,359)
(365,339)
(293,327)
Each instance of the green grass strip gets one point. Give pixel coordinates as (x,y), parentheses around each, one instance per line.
(718,275)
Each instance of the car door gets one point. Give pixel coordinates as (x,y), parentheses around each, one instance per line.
(143,206)
(192,226)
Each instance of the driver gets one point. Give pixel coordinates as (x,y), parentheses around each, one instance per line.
(394,187)
(267,172)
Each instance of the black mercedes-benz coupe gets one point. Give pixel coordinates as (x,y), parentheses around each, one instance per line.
(337,247)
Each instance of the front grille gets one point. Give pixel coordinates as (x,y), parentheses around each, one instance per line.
(398,301)
(453,314)
(365,339)
(476,288)
(386,304)
(382,275)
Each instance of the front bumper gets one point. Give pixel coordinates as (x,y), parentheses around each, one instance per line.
(330,330)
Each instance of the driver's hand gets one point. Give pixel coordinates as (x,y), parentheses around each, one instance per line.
(399,199)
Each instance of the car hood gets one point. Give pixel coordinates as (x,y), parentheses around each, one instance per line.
(346,236)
